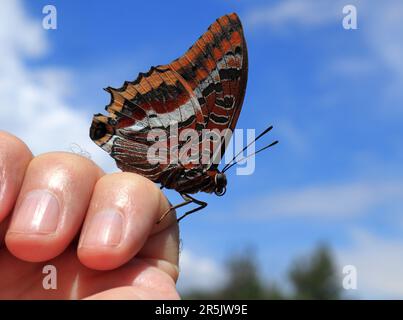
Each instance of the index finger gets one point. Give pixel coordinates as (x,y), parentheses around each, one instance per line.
(14,159)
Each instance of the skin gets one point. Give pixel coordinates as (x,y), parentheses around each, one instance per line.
(140,263)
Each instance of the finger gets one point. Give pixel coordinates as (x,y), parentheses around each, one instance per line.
(135,293)
(122,215)
(74,281)
(162,250)
(136,281)
(14,159)
(51,205)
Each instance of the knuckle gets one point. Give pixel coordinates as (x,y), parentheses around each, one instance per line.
(66,160)
(129,182)
(131,179)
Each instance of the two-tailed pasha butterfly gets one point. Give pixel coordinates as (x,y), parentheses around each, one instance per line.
(202,90)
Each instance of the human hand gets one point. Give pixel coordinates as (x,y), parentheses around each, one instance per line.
(98,230)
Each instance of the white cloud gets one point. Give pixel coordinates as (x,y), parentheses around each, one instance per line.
(379,265)
(335,201)
(19,34)
(351,66)
(33,102)
(380,28)
(295,12)
(198,272)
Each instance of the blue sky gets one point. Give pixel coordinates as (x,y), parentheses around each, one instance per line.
(334,97)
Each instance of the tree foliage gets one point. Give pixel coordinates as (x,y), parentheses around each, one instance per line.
(315,277)
(310,277)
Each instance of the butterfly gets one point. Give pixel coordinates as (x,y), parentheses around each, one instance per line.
(203,91)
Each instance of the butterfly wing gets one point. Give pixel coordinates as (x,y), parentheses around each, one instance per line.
(216,68)
(203,89)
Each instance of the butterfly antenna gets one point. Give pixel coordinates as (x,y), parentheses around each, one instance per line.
(257,138)
(251,155)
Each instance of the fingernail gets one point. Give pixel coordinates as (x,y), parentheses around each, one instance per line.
(38,213)
(104,229)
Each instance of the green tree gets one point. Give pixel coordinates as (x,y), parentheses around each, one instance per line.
(314,277)
(311,277)
(244,282)
(244,279)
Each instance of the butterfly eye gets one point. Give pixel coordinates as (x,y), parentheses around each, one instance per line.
(98,131)
(220,179)
(221,182)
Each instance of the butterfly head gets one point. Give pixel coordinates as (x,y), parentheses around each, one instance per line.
(220,181)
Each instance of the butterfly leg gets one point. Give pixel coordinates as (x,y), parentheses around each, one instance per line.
(188,199)
(201,204)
